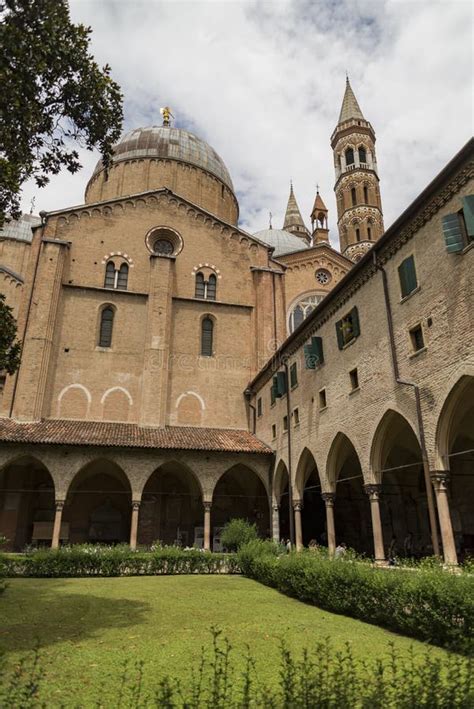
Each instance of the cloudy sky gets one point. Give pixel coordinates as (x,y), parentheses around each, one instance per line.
(263,82)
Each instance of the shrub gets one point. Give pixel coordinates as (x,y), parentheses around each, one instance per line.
(428,604)
(316,679)
(2,566)
(95,560)
(238,532)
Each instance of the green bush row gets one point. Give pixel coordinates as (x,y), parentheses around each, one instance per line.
(427,604)
(88,560)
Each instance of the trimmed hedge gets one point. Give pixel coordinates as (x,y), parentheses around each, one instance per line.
(431,604)
(84,560)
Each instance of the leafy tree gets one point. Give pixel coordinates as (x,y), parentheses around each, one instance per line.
(238,532)
(53,97)
(10,348)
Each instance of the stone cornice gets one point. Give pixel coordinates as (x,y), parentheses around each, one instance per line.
(11,274)
(313,253)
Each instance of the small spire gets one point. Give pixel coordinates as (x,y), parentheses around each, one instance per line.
(350,108)
(319,219)
(293,220)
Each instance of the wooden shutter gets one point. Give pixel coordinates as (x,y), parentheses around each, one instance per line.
(317,349)
(468,211)
(407,275)
(293,375)
(273,390)
(211,287)
(340,334)
(122,279)
(207,329)
(354,315)
(281,384)
(309,359)
(453,236)
(106,327)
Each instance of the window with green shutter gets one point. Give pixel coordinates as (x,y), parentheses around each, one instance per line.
(453,233)
(281,384)
(259,406)
(273,391)
(293,375)
(468,211)
(348,328)
(313,353)
(407,276)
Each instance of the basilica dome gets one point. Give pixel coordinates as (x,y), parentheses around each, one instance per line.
(161,156)
(282,241)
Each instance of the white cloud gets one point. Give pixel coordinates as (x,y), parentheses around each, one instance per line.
(262,82)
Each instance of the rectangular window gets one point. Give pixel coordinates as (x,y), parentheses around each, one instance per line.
(274,431)
(458,228)
(322,399)
(313,353)
(293,375)
(348,328)
(296,417)
(280,384)
(354,377)
(285,423)
(416,337)
(259,406)
(407,276)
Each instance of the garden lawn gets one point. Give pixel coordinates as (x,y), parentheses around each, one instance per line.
(87,629)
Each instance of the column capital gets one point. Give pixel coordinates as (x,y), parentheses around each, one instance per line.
(329,498)
(136,504)
(297,505)
(207,505)
(440,479)
(373,490)
(59,504)
(275,508)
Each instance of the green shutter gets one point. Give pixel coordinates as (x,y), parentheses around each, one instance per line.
(293,375)
(317,349)
(281,384)
(468,210)
(309,358)
(273,390)
(407,275)
(355,322)
(340,334)
(452,233)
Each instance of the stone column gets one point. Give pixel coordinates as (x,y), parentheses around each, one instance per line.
(297,507)
(440,479)
(57,524)
(329,499)
(373,491)
(207,525)
(134,524)
(276,523)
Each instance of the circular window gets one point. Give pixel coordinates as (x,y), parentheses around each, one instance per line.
(323,276)
(163,247)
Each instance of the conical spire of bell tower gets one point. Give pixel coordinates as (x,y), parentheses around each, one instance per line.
(350,107)
(319,220)
(293,220)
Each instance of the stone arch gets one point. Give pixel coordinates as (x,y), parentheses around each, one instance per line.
(281,502)
(190,407)
(386,429)
(460,396)
(171,508)
(308,491)
(99,503)
(240,492)
(116,403)
(74,402)
(27,502)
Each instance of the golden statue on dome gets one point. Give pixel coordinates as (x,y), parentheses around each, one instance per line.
(167,115)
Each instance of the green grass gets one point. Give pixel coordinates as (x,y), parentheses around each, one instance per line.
(88,628)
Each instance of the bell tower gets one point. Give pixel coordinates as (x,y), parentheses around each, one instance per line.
(359,207)
(319,220)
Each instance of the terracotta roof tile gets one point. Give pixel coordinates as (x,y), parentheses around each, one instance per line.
(129,435)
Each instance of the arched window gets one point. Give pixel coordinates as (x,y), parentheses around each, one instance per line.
(109,275)
(362,154)
(369,233)
(205,289)
(122,277)
(207,331)
(116,278)
(349,156)
(302,309)
(106,327)
(366,195)
(211,287)
(353,196)
(358,234)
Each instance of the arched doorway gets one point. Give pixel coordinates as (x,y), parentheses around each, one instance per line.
(351,509)
(171,510)
(397,461)
(282,499)
(26,504)
(456,448)
(98,505)
(241,494)
(308,489)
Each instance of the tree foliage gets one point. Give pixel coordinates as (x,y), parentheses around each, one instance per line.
(238,532)
(53,97)
(10,348)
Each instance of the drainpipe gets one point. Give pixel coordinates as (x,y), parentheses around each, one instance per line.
(248,395)
(43,216)
(419,414)
(290,467)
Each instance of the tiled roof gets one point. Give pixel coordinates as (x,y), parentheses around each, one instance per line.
(129,435)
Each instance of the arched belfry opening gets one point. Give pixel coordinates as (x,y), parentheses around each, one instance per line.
(397,462)
(98,505)
(351,509)
(26,504)
(455,443)
(308,490)
(239,493)
(171,510)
